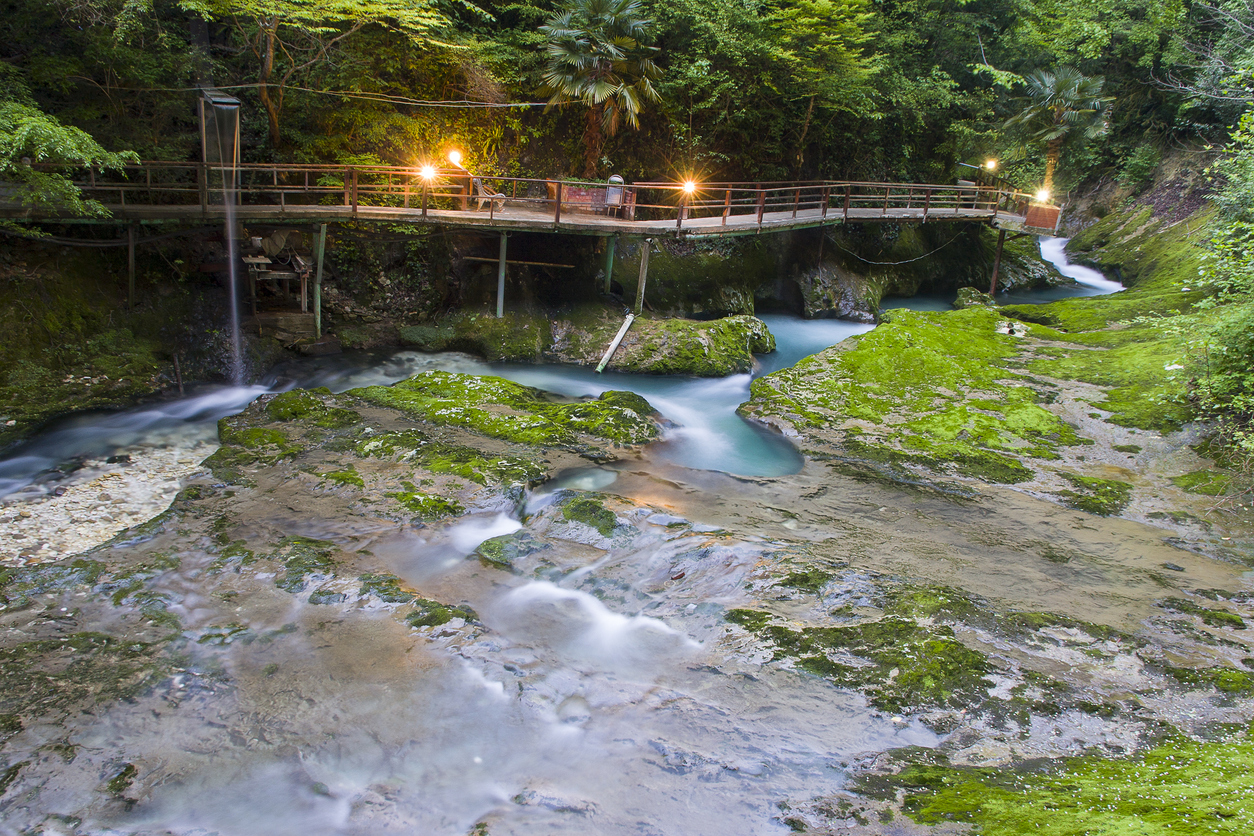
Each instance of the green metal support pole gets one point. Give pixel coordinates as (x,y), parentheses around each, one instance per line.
(317,300)
(500,280)
(644,274)
(609,260)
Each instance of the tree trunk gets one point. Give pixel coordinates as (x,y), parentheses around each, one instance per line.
(269,29)
(593,141)
(805,129)
(1052,151)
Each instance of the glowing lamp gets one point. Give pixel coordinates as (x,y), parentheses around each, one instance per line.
(455,157)
(1042,196)
(991,165)
(427,172)
(689,187)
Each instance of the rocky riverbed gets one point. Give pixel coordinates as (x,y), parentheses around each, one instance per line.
(460,605)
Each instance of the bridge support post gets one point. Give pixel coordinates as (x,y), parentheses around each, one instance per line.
(500,280)
(610,243)
(317,294)
(1001,239)
(130,266)
(644,274)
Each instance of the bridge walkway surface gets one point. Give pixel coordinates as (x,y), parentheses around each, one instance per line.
(454,198)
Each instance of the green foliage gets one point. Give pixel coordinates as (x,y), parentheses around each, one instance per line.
(1061,105)
(31,140)
(597,55)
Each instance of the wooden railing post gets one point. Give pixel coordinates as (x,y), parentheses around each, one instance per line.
(726,205)
(827,197)
(557,205)
(796,202)
(354,192)
(761,203)
(927,203)
(888,190)
(348,187)
(848,191)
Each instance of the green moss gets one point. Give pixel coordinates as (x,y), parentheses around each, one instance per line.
(592,513)
(499,408)
(515,336)
(427,613)
(122,781)
(809,580)
(1206,482)
(1181,786)
(425,505)
(913,666)
(1104,497)
(244,447)
(303,404)
(466,462)
(502,551)
(936,388)
(1226,680)
(1128,448)
(628,400)
(752,620)
(707,349)
(1215,618)
(386,588)
(349,477)
(303,557)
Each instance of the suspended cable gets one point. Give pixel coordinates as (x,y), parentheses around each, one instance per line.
(837,245)
(389,98)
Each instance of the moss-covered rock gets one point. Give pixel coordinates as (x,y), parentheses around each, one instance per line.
(1104,497)
(499,408)
(1181,785)
(591,512)
(512,337)
(304,558)
(923,390)
(310,405)
(438,457)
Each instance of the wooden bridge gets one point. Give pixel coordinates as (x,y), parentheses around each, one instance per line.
(453,197)
(157,191)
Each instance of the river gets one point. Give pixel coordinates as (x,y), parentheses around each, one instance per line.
(597,690)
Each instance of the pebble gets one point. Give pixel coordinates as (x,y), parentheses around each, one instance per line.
(100,500)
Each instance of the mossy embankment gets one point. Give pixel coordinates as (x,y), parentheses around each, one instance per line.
(72,344)
(580,336)
(1051,397)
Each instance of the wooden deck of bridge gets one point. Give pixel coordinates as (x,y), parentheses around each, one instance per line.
(321,194)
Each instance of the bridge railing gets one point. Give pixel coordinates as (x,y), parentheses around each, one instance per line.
(284,186)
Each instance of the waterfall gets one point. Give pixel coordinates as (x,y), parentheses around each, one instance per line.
(226,128)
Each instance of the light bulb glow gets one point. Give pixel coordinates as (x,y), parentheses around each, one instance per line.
(455,157)
(689,187)
(427,172)
(1042,196)
(991,165)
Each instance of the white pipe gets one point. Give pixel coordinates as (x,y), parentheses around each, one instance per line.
(618,338)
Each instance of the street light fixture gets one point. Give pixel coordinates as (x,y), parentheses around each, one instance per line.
(1042,196)
(427,172)
(991,165)
(455,157)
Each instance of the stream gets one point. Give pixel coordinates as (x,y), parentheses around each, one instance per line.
(599,691)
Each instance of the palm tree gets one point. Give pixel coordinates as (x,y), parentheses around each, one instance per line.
(1061,105)
(597,55)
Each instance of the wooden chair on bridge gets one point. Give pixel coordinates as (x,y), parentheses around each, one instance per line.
(484,196)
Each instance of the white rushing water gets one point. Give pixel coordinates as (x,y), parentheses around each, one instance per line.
(1052,250)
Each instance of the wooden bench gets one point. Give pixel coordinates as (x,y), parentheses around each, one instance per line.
(484,196)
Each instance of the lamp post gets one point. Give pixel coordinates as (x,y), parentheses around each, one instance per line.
(427,172)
